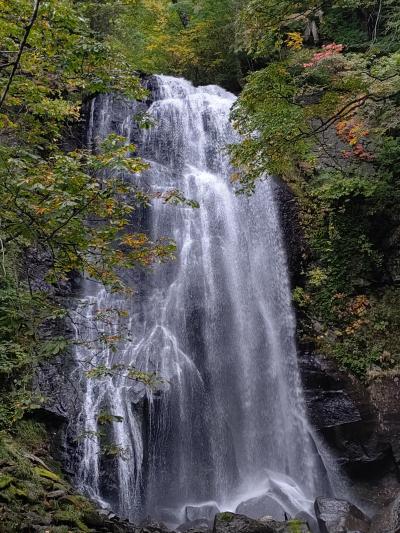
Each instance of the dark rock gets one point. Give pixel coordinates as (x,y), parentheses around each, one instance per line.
(94,519)
(235,523)
(259,506)
(388,520)
(385,396)
(55,494)
(198,512)
(291,229)
(152,526)
(340,516)
(195,526)
(290,526)
(341,409)
(309,520)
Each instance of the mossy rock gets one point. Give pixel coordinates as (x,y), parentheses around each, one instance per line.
(79,502)
(60,486)
(19,493)
(226,517)
(5,481)
(93,519)
(7,496)
(47,474)
(70,518)
(34,491)
(296,526)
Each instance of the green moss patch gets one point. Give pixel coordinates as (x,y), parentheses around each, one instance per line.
(48,474)
(37,497)
(5,481)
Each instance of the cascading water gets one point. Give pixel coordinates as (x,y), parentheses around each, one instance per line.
(216,325)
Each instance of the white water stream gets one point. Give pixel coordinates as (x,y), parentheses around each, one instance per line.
(216,325)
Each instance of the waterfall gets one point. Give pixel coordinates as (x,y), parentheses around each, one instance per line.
(228,422)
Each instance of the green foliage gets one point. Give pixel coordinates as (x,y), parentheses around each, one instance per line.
(33,492)
(183,37)
(115,451)
(323,114)
(226,517)
(362,334)
(59,216)
(104,417)
(296,526)
(147,378)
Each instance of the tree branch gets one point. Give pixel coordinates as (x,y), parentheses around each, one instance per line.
(28,29)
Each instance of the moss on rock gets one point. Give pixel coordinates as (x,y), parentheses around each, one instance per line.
(36,497)
(5,481)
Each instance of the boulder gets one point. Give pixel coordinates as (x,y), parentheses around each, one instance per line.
(340,516)
(195,526)
(290,526)
(308,519)
(201,512)
(152,526)
(388,519)
(264,505)
(236,523)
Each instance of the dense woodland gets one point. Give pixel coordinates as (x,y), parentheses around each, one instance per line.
(318,85)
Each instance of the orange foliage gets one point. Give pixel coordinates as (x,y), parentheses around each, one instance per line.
(354,133)
(328,51)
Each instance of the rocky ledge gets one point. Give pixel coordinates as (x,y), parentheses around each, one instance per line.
(359,422)
(333,516)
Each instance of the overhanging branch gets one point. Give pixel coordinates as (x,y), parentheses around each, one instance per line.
(15,64)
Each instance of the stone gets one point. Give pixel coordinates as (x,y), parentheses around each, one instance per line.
(195,526)
(236,523)
(388,519)
(385,396)
(34,518)
(290,526)
(260,506)
(48,474)
(93,519)
(152,526)
(199,512)
(55,494)
(310,520)
(340,516)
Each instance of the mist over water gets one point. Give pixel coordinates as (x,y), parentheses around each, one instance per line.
(229,421)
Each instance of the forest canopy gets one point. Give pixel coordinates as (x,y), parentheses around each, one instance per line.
(322,113)
(318,85)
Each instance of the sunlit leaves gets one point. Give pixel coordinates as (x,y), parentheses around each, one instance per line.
(190,38)
(60,214)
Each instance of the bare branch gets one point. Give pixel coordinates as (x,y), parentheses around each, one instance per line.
(28,29)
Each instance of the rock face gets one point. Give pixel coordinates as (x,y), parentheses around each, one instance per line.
(260,506)
(385,397)
(340,516)
(388,520)
(292,231)
(351,420)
